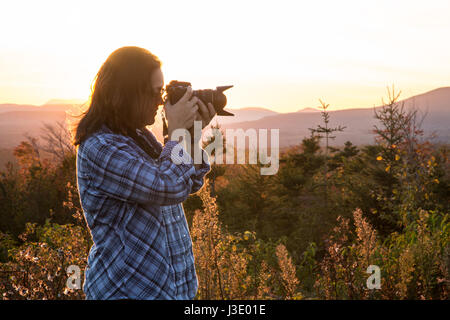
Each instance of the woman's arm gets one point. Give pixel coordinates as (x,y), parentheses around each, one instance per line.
(117,172)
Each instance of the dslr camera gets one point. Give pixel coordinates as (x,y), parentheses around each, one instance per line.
(176,89)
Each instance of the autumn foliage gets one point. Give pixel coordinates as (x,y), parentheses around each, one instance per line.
(310,232)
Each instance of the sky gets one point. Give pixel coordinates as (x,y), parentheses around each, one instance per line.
(281,55)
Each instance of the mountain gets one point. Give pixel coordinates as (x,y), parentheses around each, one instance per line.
(16,120)
(436,100)
(309,110)
(246,114)
(359,122)
(45,107)
(16,107)
(15,124)
(64,101)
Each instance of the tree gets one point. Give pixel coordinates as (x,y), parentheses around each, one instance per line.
(327,131)
(395,124)
(57,139)
(217,170)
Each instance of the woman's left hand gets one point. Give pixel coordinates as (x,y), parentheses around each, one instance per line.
(205,113)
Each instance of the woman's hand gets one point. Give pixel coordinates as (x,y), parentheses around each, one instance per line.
(205,113)
(182,114)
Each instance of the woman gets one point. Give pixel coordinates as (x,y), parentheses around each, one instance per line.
(130,187)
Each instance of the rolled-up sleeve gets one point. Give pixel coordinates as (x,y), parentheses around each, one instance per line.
(117,171)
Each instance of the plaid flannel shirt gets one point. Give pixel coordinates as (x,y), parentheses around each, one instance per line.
(132,204)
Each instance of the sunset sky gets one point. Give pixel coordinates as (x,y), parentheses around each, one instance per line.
(282,55)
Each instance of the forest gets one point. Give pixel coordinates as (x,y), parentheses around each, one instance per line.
(312,231)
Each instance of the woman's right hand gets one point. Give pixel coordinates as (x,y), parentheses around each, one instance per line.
(182,114)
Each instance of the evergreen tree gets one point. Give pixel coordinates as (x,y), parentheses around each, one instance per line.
(327,131)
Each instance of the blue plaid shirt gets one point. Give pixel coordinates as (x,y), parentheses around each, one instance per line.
(132,204)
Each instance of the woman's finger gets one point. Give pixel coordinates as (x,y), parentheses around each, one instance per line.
(212,111)
(192,102)
(190,119)
(187,95)
(194,110)
(204,112)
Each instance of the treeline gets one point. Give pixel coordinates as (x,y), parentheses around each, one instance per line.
(310,231)
(339,211)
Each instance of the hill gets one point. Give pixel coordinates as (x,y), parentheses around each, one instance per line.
(309,110)
(359,122)
(17,120)
(246,114)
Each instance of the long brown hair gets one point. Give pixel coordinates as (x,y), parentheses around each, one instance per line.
(121,95)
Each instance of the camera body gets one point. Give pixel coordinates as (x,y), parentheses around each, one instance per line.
(176,89)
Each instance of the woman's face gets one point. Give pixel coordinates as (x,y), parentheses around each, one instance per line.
(157,82)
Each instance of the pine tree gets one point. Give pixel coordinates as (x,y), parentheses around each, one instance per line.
(327,131)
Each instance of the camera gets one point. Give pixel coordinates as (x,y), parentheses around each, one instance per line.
(176,89)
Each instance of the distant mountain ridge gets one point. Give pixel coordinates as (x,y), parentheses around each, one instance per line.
(246,114)
(16,120)
(309,110)
(359,122)
(64,101)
